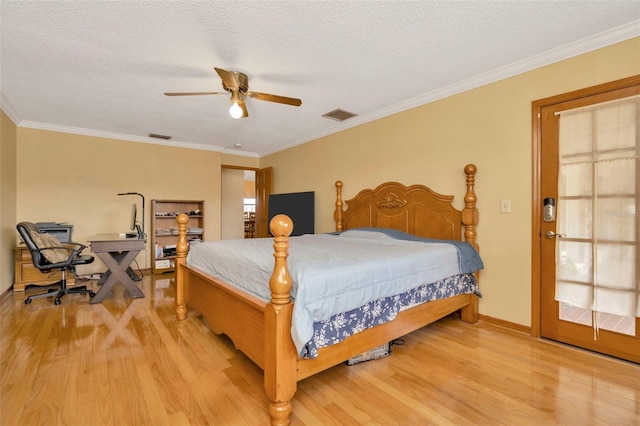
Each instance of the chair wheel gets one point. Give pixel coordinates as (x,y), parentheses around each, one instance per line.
(57,301)
(27,301)
(91,294)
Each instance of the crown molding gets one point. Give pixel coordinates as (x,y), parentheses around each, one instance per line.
(603,39)
(240,153)
(8,109)
(597,41)
(118,136)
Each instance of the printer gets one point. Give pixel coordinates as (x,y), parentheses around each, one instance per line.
(61,231)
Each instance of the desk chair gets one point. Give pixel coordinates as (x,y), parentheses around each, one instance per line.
(48,253)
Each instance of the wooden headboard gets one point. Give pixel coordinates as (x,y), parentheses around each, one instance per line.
(414,209)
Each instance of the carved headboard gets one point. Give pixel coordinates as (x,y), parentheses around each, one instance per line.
(414,209)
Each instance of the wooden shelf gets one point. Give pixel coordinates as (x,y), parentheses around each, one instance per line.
(164,229)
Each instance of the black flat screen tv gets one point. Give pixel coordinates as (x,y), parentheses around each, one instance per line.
(299,206)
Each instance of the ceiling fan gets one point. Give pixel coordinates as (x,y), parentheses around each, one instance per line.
(237,84)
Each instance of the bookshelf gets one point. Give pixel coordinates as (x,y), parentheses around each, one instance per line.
(164,230)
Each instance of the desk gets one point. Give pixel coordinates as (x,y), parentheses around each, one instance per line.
(116,253)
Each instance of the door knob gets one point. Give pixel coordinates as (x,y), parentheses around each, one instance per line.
(551,235)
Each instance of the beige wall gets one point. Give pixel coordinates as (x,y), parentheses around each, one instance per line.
(233,189)
(8,144)
(74,178)
(489,126)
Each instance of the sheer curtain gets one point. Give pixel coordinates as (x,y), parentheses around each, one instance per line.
(598,208)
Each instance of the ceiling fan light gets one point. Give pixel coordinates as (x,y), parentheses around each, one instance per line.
(235,111)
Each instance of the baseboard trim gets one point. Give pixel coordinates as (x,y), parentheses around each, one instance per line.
(6,293)
(506,324)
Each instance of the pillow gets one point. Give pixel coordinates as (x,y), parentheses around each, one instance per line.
(45,240)
(367,233)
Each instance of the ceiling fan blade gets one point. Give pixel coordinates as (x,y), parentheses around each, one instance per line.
(274,98)
(242,105)
(193,93)
(228,79)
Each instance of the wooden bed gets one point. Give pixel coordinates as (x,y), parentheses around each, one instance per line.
(261,329)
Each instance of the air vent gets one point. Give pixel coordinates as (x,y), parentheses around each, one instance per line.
(154,135)
(339,115)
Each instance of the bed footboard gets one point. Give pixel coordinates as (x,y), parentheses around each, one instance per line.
(267,338)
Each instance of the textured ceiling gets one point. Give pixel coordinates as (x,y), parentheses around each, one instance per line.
(101,67)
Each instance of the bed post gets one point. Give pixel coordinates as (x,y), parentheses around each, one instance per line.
(280,354)
(337,215)
(470,212)
(470,218)
(181,257)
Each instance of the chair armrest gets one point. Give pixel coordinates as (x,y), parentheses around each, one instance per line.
(77,246)
(69,249)
(73,250)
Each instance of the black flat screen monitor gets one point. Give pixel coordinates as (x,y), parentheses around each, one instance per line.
(299,206)
(134,224)
(134,217)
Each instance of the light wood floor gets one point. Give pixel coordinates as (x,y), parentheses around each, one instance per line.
(129,362)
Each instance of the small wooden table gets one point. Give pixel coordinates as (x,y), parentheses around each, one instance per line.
(117,253)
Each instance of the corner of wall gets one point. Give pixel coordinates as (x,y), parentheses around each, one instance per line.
(8,189)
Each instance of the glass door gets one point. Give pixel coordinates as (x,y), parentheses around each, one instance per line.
(590,226)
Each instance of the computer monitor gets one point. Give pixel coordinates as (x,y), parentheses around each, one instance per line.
(134,217)
(134,225)
(134,213)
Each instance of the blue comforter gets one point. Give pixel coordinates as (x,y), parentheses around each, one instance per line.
(468,257)
(334,273)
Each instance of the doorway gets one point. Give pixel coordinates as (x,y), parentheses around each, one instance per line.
(245,194)
(232,205)
(586,224)
(249,203)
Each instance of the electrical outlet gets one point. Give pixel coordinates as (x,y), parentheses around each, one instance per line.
(505,206)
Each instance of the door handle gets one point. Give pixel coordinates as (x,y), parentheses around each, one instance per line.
(551,235)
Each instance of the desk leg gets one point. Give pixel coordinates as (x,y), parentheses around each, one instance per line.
(130,272)
(117,264)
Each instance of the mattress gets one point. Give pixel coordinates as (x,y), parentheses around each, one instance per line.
(334,273)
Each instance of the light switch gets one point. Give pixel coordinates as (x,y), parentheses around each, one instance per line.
(505,206)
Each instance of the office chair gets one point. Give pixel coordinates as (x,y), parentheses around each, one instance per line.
(48,253)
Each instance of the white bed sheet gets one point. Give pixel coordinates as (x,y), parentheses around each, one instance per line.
(330,273)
